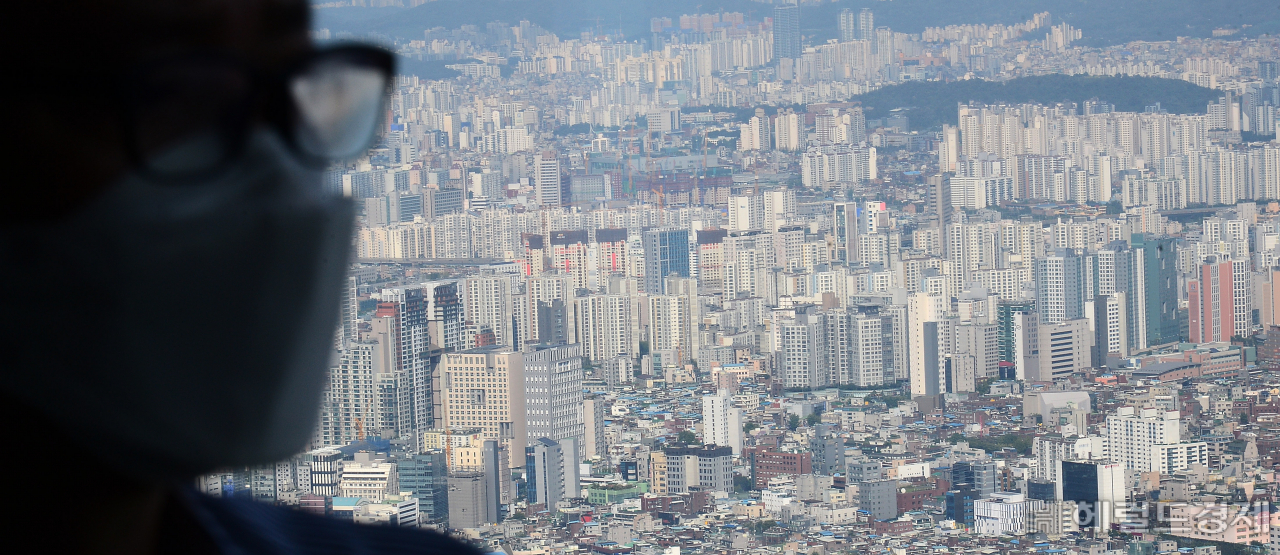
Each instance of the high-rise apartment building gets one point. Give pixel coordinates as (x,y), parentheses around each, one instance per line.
(1151,441)
(547,181)
(1211,302)
(866,24)
(354,407)
(1062,286)
(848,25)
(721,421)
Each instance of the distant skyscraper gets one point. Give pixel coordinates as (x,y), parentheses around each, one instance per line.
(547,181)
(866,25)
(1095,486)
(485,388)
(1215,300)
(401,322)
(786,31)
(721,421)
(551,471)
(1061,285)
(848,25)
(666,252)
(553,393)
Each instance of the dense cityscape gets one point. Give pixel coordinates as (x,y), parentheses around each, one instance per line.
(691,292)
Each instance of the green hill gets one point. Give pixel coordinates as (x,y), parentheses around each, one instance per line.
(932,103)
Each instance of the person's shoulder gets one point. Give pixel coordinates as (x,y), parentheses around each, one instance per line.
(258,528)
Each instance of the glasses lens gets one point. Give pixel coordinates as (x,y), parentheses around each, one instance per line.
(339,100)
(184,117)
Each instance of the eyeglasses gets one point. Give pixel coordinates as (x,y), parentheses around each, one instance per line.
(191,117)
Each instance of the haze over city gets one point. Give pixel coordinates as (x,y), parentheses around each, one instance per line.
(890,277)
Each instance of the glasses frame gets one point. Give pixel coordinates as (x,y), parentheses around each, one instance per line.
(268,98)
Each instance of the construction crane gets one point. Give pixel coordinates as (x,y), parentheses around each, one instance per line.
(359,429)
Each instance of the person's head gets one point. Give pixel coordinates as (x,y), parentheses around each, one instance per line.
(75,63)
(174,261)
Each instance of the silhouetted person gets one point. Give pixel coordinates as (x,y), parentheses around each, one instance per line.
(172,266)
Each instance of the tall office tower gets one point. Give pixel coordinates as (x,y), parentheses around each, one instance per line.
(787,130)
(425,476)
(866,24)
(1065,348)
(666,252)
(1211,302)
(445,315)
(469,500)
(786,31)
(401,320)
(484,388)
(948,149)
(801,349)
(551,471)
(848,25)
(553,393)
(1150,441)
(352,408)
(879,498)
(1062,286)
(721,421)
(1151,290)
(1097,488)
(981,476)
(959,504)
(709,467)
(546,177)
(487,305)
(595,444)
(569,255)
(922,356)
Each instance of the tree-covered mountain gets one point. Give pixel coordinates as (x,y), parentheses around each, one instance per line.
(933,103)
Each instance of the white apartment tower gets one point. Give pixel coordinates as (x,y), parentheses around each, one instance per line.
(721,421)
(1150,441)
(547,180)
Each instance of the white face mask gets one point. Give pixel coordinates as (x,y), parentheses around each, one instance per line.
(175,328)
